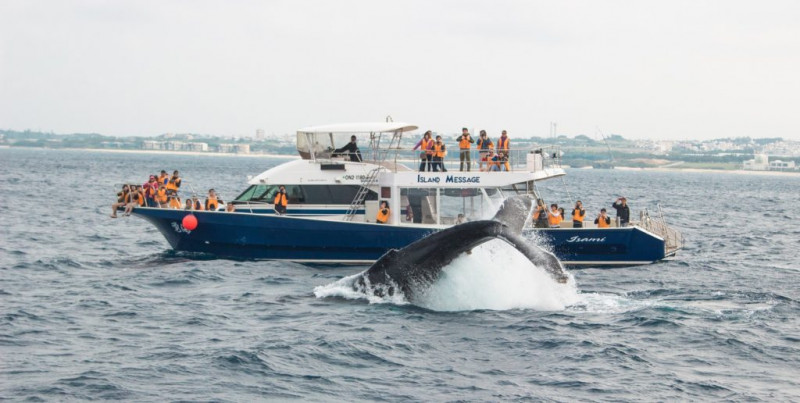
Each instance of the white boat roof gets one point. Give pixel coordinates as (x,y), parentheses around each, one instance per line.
(363,127)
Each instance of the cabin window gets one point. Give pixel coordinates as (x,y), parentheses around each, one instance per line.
(305,194)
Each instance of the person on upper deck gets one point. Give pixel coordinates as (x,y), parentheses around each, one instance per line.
(578,213)
(502,142)
(603,220)
(500,162)
(623,211)
(281,201)
(484,145)
(350,149)
(383,213)
(439,151)
(425,144)
(464,145)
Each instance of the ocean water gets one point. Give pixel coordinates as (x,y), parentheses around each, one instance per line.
(97,308)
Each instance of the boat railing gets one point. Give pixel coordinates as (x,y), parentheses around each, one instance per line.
(673,239)
(528,159)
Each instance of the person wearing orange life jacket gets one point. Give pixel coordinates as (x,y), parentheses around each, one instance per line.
(555,216)
(281,201)
(578,213)
(383,213)
(540,216)
(174,201)
(439,151)
(197,204)
(464,145)
(503,146)
(425,145)
(212,202)
(174,183)
(161,196)
(603,220)
(163,178)
(484,145)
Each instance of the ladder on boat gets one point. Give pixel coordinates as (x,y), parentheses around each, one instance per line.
(379,155)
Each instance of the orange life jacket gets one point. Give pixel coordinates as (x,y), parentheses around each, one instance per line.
(554,219)
(577,215)
(161,195)
(464,143)
(175,203)
(173,183)
(139,197)
(602,223)
(502,144)
(438,150)
(162,180)
(382,217)
(212,204)
(484,145)
(280,199)
(426,145)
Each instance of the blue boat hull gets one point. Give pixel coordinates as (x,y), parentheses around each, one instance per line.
(259,236)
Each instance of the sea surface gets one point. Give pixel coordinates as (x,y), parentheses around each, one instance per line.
(99,308)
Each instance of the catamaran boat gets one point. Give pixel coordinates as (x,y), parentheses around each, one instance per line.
(334,198)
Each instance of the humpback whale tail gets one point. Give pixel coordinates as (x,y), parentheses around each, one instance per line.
(416,267)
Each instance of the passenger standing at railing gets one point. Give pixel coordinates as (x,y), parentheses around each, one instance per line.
(623,211)
(540,216)
(555,217)
(174,182)
(464,145)
(350,149)
(439,151)
(578,213)
(484,145)
(603,221)
(425,144)
(503,146)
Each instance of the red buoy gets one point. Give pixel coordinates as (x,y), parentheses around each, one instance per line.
(190,222)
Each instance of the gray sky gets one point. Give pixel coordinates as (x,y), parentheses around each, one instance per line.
(669,70)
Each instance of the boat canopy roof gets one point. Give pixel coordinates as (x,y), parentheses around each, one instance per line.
(364,127)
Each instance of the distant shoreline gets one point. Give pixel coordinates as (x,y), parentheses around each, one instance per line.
(162,152)
(284,156)
(706,170)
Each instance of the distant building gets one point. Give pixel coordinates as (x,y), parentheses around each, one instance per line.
(260,136)
(779,165)
(759,163)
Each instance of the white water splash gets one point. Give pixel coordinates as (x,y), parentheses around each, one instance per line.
(343,288)
(496,276)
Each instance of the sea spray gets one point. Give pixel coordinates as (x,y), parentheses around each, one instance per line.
(497,277)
